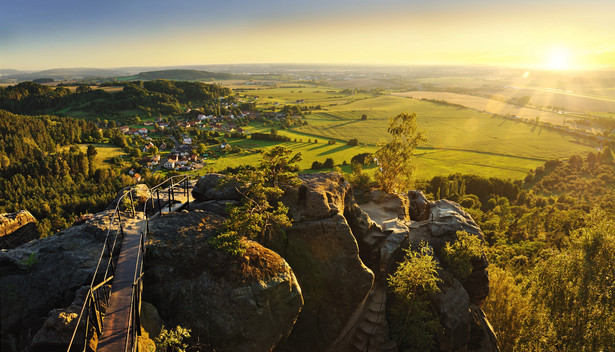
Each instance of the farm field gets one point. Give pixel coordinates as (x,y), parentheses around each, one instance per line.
(569,100)
(106,152)
(489,105)
(446,127)
(459,139)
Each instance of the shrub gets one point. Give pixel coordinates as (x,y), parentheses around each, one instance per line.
(411,321)
(458,256)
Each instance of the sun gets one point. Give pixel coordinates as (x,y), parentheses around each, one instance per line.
(558,59)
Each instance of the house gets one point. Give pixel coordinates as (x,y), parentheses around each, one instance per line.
(169,164)
(143,130)
(124,129)
(145,149)
(187,140)
(156,158)
(163,146)
(136,177)
(131,172)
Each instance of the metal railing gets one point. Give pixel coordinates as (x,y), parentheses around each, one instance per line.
(98,293)
(97,297)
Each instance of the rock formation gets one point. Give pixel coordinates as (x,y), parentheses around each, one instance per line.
(321,287)
(17,228)
(234,304)
(43,275)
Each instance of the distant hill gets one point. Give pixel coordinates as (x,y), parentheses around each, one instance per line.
(62,74)
(184,75)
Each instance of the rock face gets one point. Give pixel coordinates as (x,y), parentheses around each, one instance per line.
(208,188)
(324,254)
(321,287)
(234,304)
(45,274)
(17,228)
(448,218)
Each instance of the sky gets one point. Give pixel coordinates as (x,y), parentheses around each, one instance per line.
(538,34)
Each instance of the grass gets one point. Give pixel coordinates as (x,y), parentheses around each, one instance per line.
(106,152)
(459,139)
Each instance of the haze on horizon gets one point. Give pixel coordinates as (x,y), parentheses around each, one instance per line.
(550,34)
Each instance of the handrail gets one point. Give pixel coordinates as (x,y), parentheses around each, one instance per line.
(93,296)
(93,288)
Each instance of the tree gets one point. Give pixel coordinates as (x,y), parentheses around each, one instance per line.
(364,117)
(411,321)
(260,214)
(329,163)
(395,156)
(575,287)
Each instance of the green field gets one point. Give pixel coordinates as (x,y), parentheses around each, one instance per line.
(459,139)
(106,152)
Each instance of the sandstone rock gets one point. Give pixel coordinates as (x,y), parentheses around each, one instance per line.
(234,304)
(57,331)
(45,274)
(482,337)
(319,196)
(150,319)
(208,188)
(218,207)
(419,206)
(334,281)
(452,304)
(448,218)
(17,228)
(140,193)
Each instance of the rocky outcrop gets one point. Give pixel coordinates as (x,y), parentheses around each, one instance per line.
(323,252)
(139,193)
(44,274)
(17,228)
(446,219)
(246,303)
(208,187)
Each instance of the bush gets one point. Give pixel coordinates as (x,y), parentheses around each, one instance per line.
(353,142)
(316,165)
(329,163)
(411,321)
(458,256)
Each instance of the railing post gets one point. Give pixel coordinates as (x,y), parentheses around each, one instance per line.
(119,218)
(170,192)
(159,205)
(132,203)
(187,197)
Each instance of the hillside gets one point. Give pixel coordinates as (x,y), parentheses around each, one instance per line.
(184,75)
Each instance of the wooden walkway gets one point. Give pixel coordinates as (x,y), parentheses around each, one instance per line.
(116,327)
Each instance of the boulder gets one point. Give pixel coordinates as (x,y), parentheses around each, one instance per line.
(218,207)
(419,206)
(244,303)
(317,197)
(208,187)
(45,274)
(17,228)
(58,328)
(140,194)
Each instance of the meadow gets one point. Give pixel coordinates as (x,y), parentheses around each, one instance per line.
(459,139)
(106,152)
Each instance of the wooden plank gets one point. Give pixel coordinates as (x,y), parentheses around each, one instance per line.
(117,320)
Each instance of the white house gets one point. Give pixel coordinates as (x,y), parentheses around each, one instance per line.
(169,164)
(187,140)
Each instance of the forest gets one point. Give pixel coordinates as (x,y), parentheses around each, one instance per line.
(55,186)
(550,244)
(149,97)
